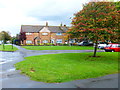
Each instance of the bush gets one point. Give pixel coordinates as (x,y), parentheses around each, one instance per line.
(46,44)
(49,44)
(75,44)
(65,44)
(29,44)
(61,44)
(41,44)
(22,44)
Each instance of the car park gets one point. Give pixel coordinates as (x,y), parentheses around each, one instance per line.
(112,48)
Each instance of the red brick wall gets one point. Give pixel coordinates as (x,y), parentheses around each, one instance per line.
(44,37)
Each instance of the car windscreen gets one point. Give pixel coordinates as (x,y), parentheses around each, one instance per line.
(109,45)
(115,45)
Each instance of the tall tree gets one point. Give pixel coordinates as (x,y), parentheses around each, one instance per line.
(22,36)
(97,21)
(5,36)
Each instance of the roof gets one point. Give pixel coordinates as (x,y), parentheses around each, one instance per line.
(37,28)
(31,28)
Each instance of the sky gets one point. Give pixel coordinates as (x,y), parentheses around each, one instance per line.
(14,13)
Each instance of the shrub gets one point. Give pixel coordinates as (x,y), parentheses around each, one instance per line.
(29,44)
(21,44)
(75,44)
(49,44)
(61,44)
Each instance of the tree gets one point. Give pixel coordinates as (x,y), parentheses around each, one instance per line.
(97,21)
(22,36)
(5,36)
(16,39)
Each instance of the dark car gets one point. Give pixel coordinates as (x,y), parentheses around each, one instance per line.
(86,43)
(112,48)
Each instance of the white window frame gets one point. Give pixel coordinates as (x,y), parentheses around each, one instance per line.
(44,33)
(28,33)
(45,41)
(59,41)
(28,42)
(58,33)
(52,40)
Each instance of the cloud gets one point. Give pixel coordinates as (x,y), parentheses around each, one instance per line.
(15,13)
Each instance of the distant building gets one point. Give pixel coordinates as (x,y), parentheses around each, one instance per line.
(37,34)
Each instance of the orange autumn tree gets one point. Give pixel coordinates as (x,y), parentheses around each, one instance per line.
(97,21)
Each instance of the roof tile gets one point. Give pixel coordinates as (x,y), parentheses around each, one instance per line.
(37,28)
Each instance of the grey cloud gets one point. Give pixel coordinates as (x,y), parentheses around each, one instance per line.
(64,18)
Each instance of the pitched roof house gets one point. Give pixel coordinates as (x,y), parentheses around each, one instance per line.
(37,34)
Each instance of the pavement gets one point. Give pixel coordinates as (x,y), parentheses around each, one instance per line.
(11,78)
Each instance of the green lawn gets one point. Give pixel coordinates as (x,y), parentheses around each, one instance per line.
(58,47)
(57,68)
(8,48)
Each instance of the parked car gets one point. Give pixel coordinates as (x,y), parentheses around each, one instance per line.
(101,45)
(112,48)
(85,43)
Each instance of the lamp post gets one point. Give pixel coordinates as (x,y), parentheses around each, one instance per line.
(3,40)
(12,43)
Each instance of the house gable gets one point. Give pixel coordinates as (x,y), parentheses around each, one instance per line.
(44,29)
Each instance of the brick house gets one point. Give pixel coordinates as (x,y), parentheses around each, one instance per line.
(37,34)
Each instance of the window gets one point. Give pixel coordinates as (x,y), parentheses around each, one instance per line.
(28,41)
(114,46)
(59,41)
(38,41)
(45,41)
(58,33)
(52,40)
(118,45)
(28,33)
(44,33)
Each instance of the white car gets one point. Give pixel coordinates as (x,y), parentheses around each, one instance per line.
(101,46)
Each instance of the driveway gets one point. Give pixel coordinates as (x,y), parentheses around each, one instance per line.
(11,78)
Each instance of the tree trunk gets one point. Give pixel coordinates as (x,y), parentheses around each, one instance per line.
(95,49)
(12,44)
(3,45)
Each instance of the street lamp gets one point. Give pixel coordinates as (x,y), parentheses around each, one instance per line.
(12,43)
(3,40)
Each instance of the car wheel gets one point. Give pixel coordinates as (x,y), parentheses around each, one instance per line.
(106,51)
(113,51)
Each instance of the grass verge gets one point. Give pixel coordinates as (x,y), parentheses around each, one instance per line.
(58,47)
(8,48)
(57,68)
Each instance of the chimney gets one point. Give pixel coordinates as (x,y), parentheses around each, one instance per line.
(46,24)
